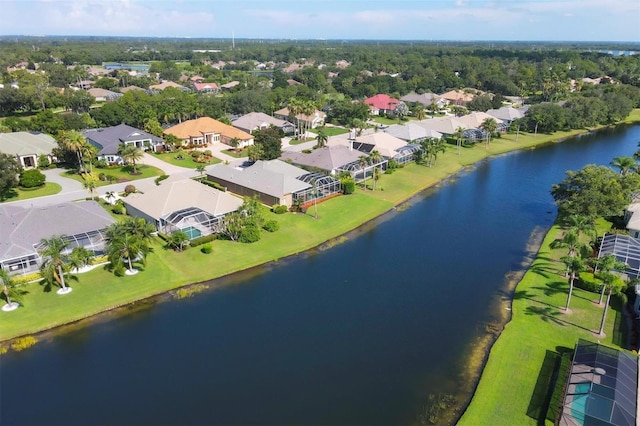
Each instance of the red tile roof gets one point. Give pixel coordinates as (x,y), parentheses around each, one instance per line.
(382,101)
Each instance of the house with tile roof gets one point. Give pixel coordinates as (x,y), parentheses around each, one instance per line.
(26,147)
(108,140)
(206,87)
(183,205)
(259,120)
(103,95)
(21,230)
(165,84)
(381,104)
(311,121)
(205,131)
(458,97)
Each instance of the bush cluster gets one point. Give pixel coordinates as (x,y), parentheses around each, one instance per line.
(271,226)
(203,240)
(249,234)
(206,249)
(214,185)
(160,179)
(31,179)
(279,209)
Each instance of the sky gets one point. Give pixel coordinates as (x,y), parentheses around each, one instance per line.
(544,20)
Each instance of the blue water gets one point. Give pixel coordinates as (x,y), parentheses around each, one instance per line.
(192,232)
(358,334)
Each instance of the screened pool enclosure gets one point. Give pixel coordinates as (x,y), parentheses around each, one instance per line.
(192,221)
(321,187)
(626,249)
(602,387)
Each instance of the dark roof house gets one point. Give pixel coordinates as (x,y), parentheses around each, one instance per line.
(109,139)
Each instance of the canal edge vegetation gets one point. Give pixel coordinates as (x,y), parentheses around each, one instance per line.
(98,291)
(526,361)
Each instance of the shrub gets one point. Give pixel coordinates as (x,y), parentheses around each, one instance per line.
(279,209)
(203,240)
(23,279)
(183,293)
(208,153)
(161,178)
(111,178)
(271,226)
(31,178)
(22,343)
(348,185)
(196,154)
(587,281)
(43,161)
(214,185)
(129,189)
(306,151)
(250,234)
(102,177)
(206,249)
(101,164)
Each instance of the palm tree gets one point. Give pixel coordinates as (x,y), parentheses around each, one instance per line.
(363,162)
(574,265)
(131,154)
(613,285)
(256,152)
(235,142)
(459,135)
(88,152)
(624,164)
(321,138)
(489,125)
(570,240)
(74,141)
(606,264)
(89,185)
(178,240)
(374,158)
(307,109)
(127,247)
(295,109)
(200,168)
(11,294)
(419,111)
(57,260)
(110,196)
(582,224)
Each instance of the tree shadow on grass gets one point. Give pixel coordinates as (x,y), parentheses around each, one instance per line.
(539,402)
(544,269)
(550,314)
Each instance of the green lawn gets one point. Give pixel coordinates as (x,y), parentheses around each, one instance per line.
(330,131)
(240,154)
(122,174)
(185,161)
(49,188)
(385,120)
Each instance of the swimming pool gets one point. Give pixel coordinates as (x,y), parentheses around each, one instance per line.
(192,232)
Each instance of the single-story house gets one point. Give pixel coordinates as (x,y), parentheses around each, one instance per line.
(185,205)
(459,97)
(328,159)
(259,120)
(26,147)
(274,182)
(109,139)
(601,387)
(230,85)
(381,104)
(206,87)
(425,99)
(206,131)
(412,132)
(165,84)
(311,121)
(390,147)
(507,114)
(21,230)
(103,95)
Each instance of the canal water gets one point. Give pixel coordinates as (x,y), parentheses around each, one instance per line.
(361,333)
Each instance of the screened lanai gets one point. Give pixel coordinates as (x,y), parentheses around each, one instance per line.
(625,248)
(602,387)
(192,221)
(321,187)
(360,171)
(474,135)
(406,153)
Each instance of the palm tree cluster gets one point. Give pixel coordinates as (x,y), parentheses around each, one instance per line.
(58,260)
(429,150)
(75,142)
(372,160)
(301,107)
(128,242)
(131,154)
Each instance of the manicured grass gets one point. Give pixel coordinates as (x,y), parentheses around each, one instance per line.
(386,121)
(185,161)
(98,290)
(240,154)
(331,131)
(515,380)
(49,188)
(120,173)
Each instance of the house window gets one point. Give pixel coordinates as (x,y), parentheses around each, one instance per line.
(636,234)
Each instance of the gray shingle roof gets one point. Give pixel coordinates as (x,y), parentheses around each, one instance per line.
(108,139)
(173,196)
(411,132)
(254,120)
(25,143)
(21,228)
(327,158)
(275,177)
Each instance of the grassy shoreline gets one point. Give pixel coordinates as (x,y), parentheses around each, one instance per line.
(99,291)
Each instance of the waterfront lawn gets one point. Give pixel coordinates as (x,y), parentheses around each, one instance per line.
(100,290)
(515,382)
(15,194)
